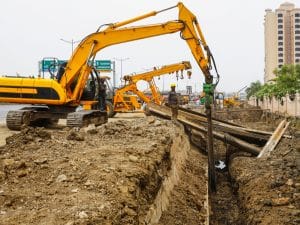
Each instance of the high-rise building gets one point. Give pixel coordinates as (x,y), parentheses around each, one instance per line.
(282,38)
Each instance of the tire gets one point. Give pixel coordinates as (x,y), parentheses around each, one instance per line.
(110,109)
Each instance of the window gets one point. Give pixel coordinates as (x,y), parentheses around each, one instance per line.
(279,65)
(297,31)
(280,26)
(280,32)
(279,14)
(297,60)
(280,49)
(297,26)
(297,38)
(280,43)
(297,54)
(297,43)
(280,20)
(297,14)
(280,38)
(280,54)
(297,49)
(280,60)
(297,20)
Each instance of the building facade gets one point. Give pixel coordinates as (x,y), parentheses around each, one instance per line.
(282,38)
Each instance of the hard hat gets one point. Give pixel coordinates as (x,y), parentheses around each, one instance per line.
(173,85)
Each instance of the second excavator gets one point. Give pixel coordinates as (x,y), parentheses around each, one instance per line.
(122,102)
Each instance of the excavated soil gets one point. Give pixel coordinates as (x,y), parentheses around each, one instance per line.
(259,191)
(144,171)
(268,189)
(188,204)
(123,172)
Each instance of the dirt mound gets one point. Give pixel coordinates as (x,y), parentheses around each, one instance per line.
(27,135)
(257,191)
(105,175)
(269,189)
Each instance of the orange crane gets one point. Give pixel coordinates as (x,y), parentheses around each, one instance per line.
(124,103)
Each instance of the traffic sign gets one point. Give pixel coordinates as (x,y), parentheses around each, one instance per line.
(52,64)
(102,64)
(47,65)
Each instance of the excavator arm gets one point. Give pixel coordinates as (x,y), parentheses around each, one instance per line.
(132,80)
(78,68)
(148,76)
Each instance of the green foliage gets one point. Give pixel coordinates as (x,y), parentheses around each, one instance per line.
(287,81)
(254,87)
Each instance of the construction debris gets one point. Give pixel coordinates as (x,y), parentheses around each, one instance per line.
(274,139)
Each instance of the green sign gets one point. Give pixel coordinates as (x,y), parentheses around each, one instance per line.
(52,65)
(47,65)
(102,64)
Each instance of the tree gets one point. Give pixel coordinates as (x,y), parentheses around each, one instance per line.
(288,79)
(253,88)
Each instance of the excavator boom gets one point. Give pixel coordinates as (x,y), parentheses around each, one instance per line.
(187,24)
(121,105)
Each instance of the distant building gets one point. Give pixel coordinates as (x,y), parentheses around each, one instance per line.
(282,38)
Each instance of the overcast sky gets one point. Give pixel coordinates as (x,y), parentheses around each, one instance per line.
(32,29)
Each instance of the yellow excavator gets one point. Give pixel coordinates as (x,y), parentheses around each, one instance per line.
(123,102)
(51,99)
(234,100)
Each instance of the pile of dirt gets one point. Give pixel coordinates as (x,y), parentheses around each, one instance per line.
(105,175)
(239,115)
(258,191)
(268,189)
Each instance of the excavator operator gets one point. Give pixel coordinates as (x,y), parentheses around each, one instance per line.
(173,102)
(102,95)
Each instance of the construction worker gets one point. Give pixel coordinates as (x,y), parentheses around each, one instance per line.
(102,95)
(173,102)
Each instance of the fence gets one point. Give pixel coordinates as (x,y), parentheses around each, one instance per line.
(288,106)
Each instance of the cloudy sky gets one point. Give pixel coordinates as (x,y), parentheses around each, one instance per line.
(33,29)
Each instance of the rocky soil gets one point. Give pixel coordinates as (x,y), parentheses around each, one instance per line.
(268,189)
(106,175)
(259,191)
(111,174)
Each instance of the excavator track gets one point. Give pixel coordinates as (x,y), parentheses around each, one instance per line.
(85,117)
(16,118)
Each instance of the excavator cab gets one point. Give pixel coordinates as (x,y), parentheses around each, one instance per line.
(61,71)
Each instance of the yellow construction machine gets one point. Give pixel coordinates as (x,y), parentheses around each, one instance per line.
(51,99)
(233,101)
(123,102)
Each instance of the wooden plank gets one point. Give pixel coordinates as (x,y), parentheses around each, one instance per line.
(274,139)
(224,127)
(243,145)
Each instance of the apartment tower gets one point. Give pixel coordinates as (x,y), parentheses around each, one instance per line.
(282,38)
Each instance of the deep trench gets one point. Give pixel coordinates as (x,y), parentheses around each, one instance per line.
(225,208)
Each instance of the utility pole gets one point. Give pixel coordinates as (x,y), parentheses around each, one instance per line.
(121,60)
(72,42)
(114,73)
